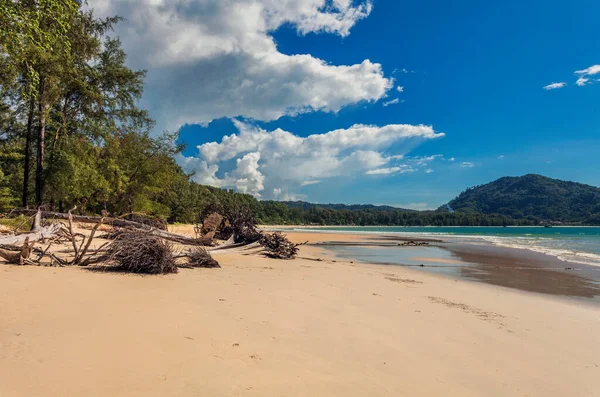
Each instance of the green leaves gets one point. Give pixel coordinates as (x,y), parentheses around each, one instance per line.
(32,30)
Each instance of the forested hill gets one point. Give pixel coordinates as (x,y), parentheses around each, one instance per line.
(533,197)
(350,207)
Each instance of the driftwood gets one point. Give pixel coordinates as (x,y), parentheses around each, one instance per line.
(138,252)
(18,257)
(200,257)
(177,238)
(44,232)
(278,246)
(84,218)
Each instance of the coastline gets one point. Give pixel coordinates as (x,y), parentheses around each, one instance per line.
(317,325)
(518,268)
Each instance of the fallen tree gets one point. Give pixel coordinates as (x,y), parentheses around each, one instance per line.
(177,238)
(42,233)
(84,218)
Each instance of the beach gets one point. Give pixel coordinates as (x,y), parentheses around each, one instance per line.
(318,325)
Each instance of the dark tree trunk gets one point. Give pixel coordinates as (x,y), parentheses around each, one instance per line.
(39,173)
(28,154)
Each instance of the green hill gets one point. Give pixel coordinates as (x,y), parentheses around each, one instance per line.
(533,197)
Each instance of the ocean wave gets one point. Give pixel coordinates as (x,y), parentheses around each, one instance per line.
(549,246)
(563,248)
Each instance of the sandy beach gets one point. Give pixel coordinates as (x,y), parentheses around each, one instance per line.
(307,327)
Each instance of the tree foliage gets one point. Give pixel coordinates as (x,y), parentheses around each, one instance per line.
(533,197)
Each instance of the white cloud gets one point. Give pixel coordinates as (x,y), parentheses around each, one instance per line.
(467,164)
(584,75)
(400,88)
(500,157)
(392,102)
(309,183)
(582,81)
(428,171)
(392,170)
(248,179)
(209,59)
(275,163)
(592,70)
(555,86)
(451,159)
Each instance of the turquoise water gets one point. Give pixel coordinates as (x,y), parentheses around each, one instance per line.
(572,244)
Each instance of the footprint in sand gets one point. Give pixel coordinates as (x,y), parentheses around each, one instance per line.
(403,280)
(481,314)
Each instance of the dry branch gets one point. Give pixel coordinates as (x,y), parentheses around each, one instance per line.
(278,246)
(201,257)
(139,252)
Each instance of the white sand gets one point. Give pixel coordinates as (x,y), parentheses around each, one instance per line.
(260,327)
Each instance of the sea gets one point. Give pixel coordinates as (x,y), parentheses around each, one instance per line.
(575,244)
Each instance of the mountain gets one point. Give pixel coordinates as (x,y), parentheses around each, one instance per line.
(534,197)
(349,207)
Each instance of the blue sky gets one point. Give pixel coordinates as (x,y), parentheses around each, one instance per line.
(473,70)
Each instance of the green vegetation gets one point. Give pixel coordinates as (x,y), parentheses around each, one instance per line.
(533,197)
(71,133)
(272,212)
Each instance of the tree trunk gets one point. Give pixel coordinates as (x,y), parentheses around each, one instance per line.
(40,234)
(28,154)
(39,173)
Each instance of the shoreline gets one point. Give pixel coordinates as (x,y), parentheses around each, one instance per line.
(567,256)
(516,268)
(316,325)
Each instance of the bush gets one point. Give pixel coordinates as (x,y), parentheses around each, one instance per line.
(21,223)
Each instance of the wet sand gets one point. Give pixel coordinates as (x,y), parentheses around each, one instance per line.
(314,326)
(507,267)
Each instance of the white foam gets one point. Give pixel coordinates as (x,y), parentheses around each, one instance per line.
(545,245)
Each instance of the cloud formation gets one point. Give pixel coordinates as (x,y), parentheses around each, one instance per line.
(467,164)
(555,86)
(274,164)
(592,70)
(209,59)
(582,81)
(392,102)
(585,75)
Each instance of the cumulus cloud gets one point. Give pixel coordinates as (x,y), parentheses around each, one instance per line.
(274,164)
(392,102)
(404,168)
(467,164)
(400,88)
(582,81)
(308,183)
(428,171)
(555,86)
(585,75)
(209,59)
(592,70)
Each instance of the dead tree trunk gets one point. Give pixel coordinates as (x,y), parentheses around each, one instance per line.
(177,238)
(40,234)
